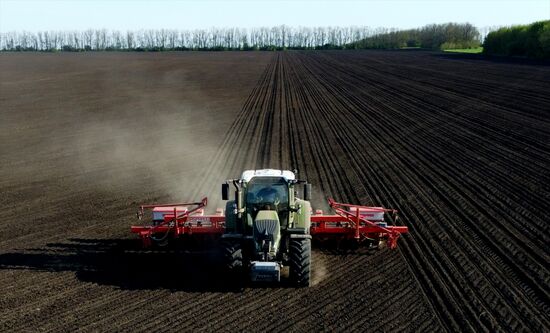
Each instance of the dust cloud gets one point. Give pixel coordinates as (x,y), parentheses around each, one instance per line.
(165,153)
(153,147)
(319,272)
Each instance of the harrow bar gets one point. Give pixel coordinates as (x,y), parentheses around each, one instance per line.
(356,222)
(174,220)
(350,222)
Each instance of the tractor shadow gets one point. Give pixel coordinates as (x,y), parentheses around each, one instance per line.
(123,263)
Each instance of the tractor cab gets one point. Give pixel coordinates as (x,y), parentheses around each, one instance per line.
(268,193)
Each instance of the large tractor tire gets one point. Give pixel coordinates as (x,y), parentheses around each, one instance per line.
(232,256)
(300,262)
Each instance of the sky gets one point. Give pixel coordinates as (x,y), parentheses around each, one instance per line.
(23,15)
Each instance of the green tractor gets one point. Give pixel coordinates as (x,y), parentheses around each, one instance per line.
(267,227)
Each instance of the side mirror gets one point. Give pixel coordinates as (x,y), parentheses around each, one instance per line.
(307,192)
(225,191)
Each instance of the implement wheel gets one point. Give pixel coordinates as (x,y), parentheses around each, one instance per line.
(300,262)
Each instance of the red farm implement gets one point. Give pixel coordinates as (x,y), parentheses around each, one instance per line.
(171,221)
(351,222)
(266,226)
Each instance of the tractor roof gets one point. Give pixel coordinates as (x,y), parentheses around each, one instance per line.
(286,174)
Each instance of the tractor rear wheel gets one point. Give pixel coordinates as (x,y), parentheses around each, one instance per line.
(300,261)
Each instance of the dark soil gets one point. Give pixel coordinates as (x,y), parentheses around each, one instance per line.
(460,146)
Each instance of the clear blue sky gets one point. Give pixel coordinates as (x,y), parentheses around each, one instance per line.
(185,14)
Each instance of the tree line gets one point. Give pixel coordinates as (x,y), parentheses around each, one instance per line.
(432,36)
(532,40)
(263,38)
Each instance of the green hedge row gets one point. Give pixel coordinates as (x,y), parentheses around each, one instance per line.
(432,36)
(531,41)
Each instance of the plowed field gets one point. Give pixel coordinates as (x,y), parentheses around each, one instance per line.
(460,146)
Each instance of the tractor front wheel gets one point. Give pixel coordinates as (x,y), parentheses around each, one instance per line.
(232,256)
(300,261)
